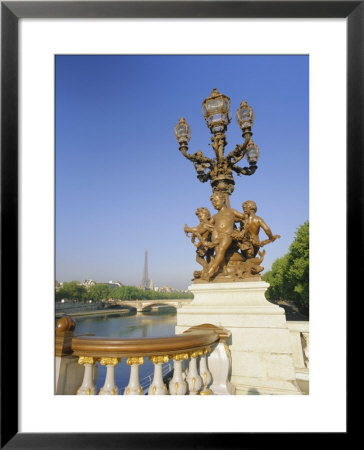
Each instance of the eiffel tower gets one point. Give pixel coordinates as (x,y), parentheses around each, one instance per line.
(145,284)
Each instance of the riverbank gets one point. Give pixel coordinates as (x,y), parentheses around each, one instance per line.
(98,312)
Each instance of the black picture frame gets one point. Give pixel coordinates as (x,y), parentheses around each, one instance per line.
(11,12)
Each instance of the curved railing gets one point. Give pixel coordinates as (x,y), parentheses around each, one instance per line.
(190,353)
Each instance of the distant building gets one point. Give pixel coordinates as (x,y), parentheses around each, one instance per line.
(165,289)
(113,284)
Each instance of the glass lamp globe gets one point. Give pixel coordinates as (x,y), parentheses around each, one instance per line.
(216,111)
(182,131)
(245,115)
(252,153)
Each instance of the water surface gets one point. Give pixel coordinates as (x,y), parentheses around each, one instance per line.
(136,325)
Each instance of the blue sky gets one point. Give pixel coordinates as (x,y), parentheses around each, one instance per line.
(122,186)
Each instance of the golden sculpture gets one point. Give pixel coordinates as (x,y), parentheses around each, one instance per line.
(227,244)
(202,232)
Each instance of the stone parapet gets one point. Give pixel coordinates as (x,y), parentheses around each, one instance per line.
(260,342)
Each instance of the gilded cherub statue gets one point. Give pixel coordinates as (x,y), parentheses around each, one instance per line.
(250,227)
(225,252)
(203,233)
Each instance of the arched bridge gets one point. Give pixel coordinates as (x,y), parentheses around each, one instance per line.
(143,304)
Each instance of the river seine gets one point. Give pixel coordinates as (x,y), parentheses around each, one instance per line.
(136,325)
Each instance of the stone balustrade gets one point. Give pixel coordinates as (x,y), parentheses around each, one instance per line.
(299,336)
(200,356)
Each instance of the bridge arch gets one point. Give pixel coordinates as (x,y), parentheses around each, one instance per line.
(141,305)
(151,305)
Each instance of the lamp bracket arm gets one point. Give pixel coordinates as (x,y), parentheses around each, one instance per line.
(197,157)
(244,170)
(237,158)
(240,150)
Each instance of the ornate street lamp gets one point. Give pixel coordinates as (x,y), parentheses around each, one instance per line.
(216,111)
(229,246)
(252,153)
(219,171)
(245,116)
(182,131)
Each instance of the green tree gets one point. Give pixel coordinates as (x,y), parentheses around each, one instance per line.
(62,293)
(134,293)
(99,292)
(289,277)
(72,290)
(276,279)
(298,268)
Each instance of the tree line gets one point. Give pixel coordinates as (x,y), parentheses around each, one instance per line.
(289,277)
(73,290)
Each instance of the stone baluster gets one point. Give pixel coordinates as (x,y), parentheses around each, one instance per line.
(177,385)
(220,366)
(205,373)
(109,387)
(134,387)
(193,378)
(158,387)
(305,339)
(88,386)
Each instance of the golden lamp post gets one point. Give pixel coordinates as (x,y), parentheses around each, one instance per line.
(227,243)
(215,109)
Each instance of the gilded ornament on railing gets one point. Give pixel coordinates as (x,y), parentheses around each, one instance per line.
(180,356)
(196,353)
(135,360)
(227,244)
(110,361)
(159,359)
(86,360)
(207,392)
(127,391)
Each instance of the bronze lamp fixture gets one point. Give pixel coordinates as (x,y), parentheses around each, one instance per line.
(216,111)
(227,243)
(218,171)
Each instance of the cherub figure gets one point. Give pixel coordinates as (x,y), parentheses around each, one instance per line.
(202,232)
(222,233)
(251,225)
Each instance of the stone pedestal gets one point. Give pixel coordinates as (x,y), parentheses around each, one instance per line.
(260,343)
(68,375)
